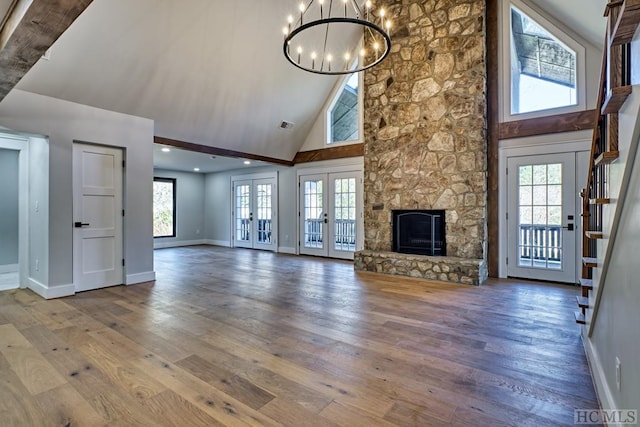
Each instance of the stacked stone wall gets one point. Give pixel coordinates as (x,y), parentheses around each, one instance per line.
(425,123)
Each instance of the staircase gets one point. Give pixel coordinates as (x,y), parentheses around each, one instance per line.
(615,87)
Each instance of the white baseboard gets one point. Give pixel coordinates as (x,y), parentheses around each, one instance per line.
(9,268)
(147,276)
(599,378)
(177,243)
(286,250)
(9,287)
(224,243)
(51,292)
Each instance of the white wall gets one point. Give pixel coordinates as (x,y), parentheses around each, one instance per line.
(65,122)
(38,210)
(8,207)
(189,209)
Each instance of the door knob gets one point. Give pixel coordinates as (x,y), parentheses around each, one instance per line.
(569,227)
(81,224)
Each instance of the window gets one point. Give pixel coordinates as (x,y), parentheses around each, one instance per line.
(344,112)
(164,207)
(544,68)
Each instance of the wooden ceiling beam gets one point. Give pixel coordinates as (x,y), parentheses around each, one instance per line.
(218,151)
(582,120)
(31,28)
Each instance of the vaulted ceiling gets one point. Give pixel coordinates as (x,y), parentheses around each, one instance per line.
(209,72)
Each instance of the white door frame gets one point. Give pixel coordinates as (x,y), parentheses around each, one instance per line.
(119,226)
(19,143)
(561,143)
(251,178)
(356,168)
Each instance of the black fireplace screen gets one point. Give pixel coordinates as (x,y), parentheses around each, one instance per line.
(419,232)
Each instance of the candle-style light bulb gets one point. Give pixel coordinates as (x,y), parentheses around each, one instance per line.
(329,58)
(347,57)
(363,52)
(345,7)
(302,8)
(388,25)
(313,59)
(290,21)
(376,46)
(299,53)
(321,12)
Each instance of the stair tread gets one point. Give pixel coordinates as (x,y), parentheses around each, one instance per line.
(590,262)
(586,283)
(600,201)
(583,302)
(606,157)
(580,318)
(593,234)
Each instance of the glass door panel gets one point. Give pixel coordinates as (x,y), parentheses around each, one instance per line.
(343,241)
(243,217)
(264,211)
(313,200)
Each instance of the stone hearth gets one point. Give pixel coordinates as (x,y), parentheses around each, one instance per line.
(425,137)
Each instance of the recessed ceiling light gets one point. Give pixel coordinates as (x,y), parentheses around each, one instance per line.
(247,162)
(196,169)
(165,150)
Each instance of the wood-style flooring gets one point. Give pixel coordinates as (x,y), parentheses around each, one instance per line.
(241,337)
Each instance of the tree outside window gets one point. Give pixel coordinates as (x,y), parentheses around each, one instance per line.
(164,207)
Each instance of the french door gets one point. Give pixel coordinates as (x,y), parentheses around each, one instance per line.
(541,219)
(330,214)
(254,214)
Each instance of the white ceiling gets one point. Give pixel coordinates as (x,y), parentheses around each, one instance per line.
(209,72)
(184,160)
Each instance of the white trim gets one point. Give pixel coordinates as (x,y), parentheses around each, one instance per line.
(287,250)
(178,243)
(9,268)
(516,148)
(147,276)
(223,243)
(561,35)
(252,176)
(603,391)
(51,292)
(9,287)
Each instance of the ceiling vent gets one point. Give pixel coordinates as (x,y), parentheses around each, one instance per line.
(286,125)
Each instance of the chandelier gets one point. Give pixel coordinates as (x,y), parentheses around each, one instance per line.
(327,36)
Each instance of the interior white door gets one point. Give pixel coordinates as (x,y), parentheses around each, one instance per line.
(255,214)
(541,217)
(330,205)
(97,208)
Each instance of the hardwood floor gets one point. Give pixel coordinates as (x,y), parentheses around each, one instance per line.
(241,337)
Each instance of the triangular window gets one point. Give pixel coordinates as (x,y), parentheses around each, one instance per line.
(544,64)
(344,111)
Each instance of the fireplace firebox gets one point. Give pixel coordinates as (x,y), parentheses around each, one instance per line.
(419,232)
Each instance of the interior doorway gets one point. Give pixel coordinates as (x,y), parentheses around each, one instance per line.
(14,212)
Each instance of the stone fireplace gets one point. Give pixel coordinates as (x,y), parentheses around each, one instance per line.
(425,138)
